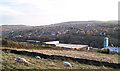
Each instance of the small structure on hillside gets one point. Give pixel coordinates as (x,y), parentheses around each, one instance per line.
(32,41)
(89,48)
(52,42)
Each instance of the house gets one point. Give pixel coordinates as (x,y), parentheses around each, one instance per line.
(32,41)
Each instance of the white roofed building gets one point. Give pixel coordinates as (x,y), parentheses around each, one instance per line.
(67,46)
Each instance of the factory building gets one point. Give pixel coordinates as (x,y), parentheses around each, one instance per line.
(106,46)
(85,47)
(73,46)
(67,46)
(112,49)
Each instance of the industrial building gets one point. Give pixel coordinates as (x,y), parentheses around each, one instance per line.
(72,46)
(67,46)
(79,47)
(112,49)
(106,46)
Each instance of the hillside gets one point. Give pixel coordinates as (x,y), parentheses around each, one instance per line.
(15,27)
(74,32)
(86,22)
(9,63)
(76,54)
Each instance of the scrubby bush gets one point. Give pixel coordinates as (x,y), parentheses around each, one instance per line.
(92,50)
(107,51)
(13,44)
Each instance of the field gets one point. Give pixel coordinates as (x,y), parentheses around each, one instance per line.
(8,62)
(79,54)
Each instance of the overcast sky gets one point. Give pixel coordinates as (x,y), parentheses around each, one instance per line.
(44,12)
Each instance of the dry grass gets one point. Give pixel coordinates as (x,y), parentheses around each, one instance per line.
(79,54)
(8,62)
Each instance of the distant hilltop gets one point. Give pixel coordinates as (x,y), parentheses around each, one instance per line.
(14,27)
(86,22)
(73,22)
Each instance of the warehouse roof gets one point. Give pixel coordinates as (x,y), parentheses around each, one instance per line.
(77,46)
(71,45)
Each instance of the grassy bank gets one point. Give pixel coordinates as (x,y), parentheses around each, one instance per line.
(8,62)
(111,58)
